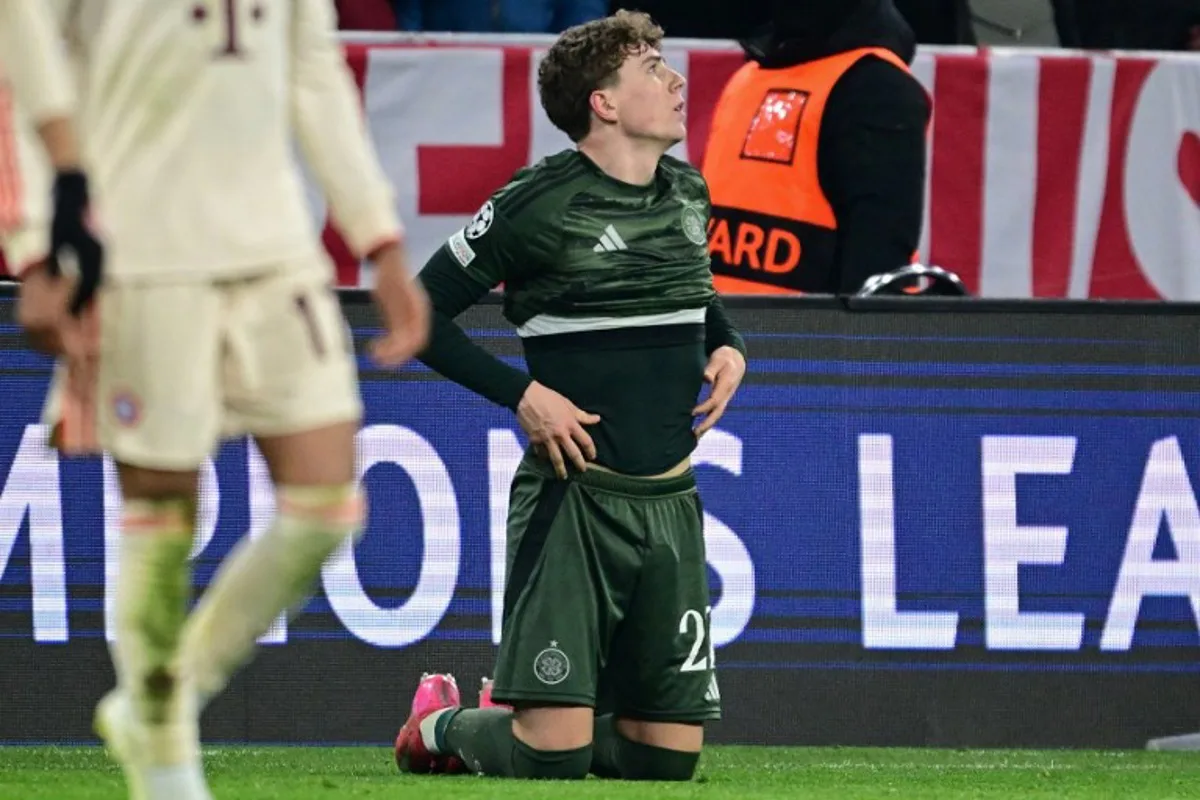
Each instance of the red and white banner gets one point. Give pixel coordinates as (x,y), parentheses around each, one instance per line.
(1051,174)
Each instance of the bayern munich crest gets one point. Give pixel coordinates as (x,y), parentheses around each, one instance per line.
(551,666)
(126,409)
(482,221)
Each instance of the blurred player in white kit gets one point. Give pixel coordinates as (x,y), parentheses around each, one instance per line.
(217,317)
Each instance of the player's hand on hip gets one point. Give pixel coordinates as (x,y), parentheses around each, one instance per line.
(404,306)
(555,427)
(725,370)
(74,246)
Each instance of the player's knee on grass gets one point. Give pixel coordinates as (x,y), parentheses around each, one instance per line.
(687,737)
(616,756)
(551,764)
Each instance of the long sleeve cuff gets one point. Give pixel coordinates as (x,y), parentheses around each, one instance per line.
(719,330)
(370,227)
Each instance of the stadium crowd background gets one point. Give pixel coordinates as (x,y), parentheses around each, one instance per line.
(1092,24)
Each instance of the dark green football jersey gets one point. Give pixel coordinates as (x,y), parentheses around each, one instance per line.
(610,289)
(570,242)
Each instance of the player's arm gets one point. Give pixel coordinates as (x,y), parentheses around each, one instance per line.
(459,275)
(726,366)
(36,65)
(719,330)
(327,119)
(726,350)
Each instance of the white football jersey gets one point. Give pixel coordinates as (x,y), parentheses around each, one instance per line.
(188,114)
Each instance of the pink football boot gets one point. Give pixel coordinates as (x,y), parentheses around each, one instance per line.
(434,693)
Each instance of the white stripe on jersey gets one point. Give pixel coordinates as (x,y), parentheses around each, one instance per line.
(550,325)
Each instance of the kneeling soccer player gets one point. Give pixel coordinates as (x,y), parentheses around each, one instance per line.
(602,250)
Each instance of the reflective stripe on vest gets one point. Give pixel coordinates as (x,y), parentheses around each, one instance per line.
(772,229)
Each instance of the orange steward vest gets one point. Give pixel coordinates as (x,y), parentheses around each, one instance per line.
(772,230)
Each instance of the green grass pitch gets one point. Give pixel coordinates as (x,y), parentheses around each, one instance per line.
(300,773)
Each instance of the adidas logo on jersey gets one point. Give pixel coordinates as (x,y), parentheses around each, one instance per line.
(610,241)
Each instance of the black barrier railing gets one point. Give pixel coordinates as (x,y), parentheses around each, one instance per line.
(930,521)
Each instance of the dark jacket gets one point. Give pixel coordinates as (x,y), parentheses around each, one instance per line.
(1141,25)
(938,21)
(872,149)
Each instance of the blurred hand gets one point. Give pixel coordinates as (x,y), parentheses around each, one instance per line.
(555,428)
(725,370)
(404,307)
(80,340)
(42,307)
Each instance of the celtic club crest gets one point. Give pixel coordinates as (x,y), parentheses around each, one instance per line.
(551,666)
(693,226)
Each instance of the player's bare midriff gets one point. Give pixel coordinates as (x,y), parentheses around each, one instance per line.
(673,472)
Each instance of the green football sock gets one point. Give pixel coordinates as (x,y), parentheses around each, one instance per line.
(483,739)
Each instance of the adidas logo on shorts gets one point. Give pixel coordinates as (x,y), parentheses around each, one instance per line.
(713,695)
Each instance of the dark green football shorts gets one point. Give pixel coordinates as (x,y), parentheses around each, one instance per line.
(607,590)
